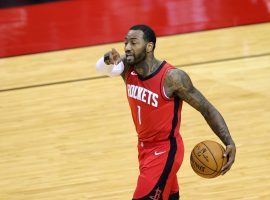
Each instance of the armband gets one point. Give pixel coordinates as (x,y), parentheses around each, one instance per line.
(109,70)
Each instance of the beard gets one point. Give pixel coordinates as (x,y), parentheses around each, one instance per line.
(135,59)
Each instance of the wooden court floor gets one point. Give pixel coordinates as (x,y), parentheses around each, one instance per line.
(66,132)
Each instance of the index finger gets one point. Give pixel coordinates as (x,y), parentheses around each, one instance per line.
(115,56)
(114,52)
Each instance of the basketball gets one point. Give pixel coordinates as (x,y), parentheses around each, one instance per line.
(207,159)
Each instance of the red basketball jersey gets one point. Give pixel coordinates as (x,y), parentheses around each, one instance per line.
(156,117)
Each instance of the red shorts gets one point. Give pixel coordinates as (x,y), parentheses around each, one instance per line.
(159,163)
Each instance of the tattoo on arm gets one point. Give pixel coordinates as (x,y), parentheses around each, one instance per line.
(178,83)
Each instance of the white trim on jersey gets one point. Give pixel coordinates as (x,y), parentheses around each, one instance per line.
(165,93)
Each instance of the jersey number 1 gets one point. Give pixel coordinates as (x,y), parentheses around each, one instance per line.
(139,114)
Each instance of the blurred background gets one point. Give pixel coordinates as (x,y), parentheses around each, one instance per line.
(45,25)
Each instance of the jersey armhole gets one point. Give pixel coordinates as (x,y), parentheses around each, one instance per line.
(163,94)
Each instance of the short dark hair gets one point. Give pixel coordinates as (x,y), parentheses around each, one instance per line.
(149,35)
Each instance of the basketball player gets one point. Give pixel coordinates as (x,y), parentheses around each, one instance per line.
(155,91)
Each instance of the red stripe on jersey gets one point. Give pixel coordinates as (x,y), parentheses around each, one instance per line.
(152,111)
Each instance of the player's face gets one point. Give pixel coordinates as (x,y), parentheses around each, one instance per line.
(135,47)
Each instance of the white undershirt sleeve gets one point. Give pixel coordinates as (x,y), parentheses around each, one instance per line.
(109,70)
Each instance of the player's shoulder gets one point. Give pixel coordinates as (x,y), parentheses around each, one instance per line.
(175,75)
(173,70)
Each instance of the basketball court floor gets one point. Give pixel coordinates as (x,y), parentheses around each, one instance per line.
(66,131)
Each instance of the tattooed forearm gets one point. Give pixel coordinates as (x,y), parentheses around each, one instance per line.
(211,115)
(218,125)
(178,83)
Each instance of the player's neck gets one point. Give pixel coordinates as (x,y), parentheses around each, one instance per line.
(147,66)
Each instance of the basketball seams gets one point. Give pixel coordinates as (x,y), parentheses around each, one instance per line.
(202,162)
(212,175)
(197,163)
(222,150)
(212,156)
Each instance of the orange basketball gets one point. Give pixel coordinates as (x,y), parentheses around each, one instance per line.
(207,159)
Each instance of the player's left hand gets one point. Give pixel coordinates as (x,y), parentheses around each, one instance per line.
(230,154)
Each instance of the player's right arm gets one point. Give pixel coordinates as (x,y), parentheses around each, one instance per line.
(112,64)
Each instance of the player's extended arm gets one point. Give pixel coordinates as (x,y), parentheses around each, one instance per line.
(178,83)
(112,64)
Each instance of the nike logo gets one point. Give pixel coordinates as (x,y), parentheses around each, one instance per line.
(133,73)
(159,153)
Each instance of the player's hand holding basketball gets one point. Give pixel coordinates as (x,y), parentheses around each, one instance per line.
(112,57)
(230,154)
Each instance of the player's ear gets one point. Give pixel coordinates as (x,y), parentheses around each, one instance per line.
(149,47)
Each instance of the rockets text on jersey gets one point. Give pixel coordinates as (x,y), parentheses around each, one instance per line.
(142,94)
